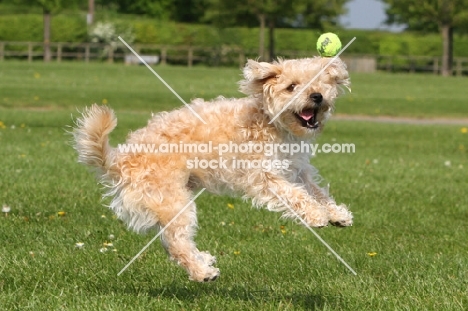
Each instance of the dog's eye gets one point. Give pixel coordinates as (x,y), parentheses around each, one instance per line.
(291,87)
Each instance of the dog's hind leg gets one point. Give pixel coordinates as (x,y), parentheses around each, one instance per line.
(177,237)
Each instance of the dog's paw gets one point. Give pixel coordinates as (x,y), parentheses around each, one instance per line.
(207,275)
(206,258)
(342,223)
(212,277)
(319,223)
(340,216)
(317,219)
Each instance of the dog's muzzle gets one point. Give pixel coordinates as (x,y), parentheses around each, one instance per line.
(308,116)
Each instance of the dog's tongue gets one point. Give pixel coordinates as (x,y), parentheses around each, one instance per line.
(306,114)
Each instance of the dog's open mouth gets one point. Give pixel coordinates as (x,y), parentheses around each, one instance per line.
(308,118)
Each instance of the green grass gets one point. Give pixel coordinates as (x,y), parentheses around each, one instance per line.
(70,85)
(409,95)
(409,202)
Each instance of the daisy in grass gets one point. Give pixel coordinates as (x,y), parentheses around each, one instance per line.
(6,209)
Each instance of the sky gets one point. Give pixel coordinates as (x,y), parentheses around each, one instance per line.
(366,14)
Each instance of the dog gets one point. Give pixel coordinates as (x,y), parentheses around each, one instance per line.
(287,102)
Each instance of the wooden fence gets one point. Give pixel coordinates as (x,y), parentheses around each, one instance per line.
(220,56)
(188,55)
(421,64)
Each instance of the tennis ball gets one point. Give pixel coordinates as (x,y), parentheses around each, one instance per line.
(328,44)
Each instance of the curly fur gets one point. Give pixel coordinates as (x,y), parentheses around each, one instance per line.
(148,189)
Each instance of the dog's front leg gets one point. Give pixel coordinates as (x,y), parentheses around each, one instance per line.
(280,195)
(339,214)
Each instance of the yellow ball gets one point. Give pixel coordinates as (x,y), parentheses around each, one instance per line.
(328,44)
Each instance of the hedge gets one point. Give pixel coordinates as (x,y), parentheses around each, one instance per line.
(72,28)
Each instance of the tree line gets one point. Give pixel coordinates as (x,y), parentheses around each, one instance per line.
(444,16)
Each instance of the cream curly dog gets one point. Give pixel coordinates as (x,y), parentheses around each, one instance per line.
(149,188)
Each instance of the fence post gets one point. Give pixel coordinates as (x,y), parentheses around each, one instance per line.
(87,52)
(241,59)
(164,56)
(459,67)
(412,65)
(30,52)
(435,67)
(110,57)
(190,57)
(59,53)
(389,63)
(2,51)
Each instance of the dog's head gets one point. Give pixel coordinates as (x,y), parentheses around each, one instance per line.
(299,94)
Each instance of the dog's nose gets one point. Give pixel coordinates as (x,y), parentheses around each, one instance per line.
(316,98)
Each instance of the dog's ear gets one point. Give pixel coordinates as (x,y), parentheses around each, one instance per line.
(337,72)
(256,74)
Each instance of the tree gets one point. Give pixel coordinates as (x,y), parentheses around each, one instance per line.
(48,8)
(444,15)
(273,13)
(187,11)
(160,9)
(266,13)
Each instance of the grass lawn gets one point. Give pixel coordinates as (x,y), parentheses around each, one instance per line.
(70,85)
(406,185)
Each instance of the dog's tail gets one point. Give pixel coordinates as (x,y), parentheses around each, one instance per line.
(91,137)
